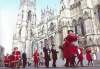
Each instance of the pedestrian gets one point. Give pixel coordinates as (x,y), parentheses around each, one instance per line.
(69,48)
(46,51)
(29,62)
(41,59)
(12,61)
(89,57)
(36,58)
(17,57)
(54,56)
(6,60)
(80,56)
(24,59)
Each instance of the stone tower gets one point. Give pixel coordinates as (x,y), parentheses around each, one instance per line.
(24,27)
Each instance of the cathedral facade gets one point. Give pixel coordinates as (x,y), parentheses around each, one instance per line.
(81,16)
(47,30)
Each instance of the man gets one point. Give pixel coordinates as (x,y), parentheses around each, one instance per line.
(89,57)
(54,56)
(6,60)
(80,56)
(41,58)
(69,49)
(17,56)
(24,58)
(46,51)
(12,60)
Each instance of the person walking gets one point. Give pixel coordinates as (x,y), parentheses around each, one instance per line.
(89,57)
(69,48)
(41,59)
(6,60)
(46,51)
(24,59)
(17,57)
(54,56)
(80,56)
(12,61)
(36,58)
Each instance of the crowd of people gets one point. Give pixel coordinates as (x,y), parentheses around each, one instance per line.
(13,59)
(40,59)
(69,49)
(18,59)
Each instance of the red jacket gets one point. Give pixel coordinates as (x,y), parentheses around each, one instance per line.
(69,48)
(72,37)
(6,59)
(17,55)
(36,57)
(80,54)
(12,58)
(89,56)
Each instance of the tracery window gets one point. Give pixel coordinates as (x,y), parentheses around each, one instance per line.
(75,25)
(42,30)
(79,26)
(81,29)
(51,26)
(52,40)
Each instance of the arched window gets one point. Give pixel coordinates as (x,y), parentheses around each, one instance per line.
(74,23)
(43,29)
(51,26)
(81,29)
(51,40)
(45,42)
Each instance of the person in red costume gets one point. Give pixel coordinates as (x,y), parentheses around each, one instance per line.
(6,60)
(80,56)
(69,49)
(12,61)
(36,58)
(17,56)
(89,56)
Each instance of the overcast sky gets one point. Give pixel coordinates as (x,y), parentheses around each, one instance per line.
(8,18)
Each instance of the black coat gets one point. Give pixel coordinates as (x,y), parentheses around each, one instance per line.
(54,54)
(24,57)
(46,53)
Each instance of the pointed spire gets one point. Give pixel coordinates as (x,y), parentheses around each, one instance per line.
(47,7)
